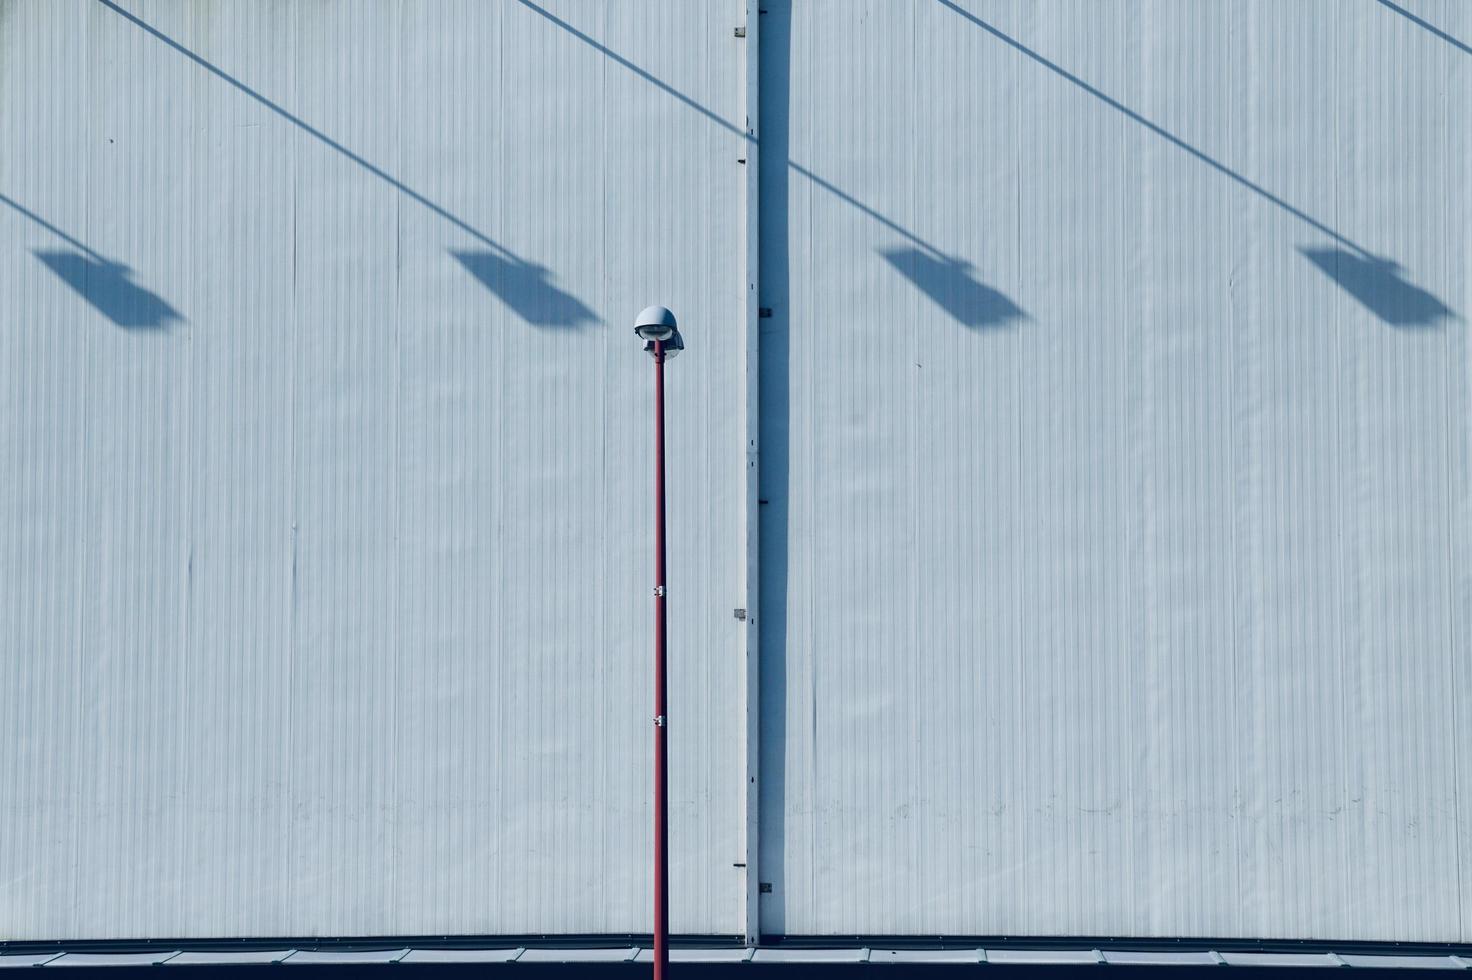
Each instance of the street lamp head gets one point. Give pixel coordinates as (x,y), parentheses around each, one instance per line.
(657,323)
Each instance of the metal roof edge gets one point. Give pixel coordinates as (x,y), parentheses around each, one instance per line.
(1055,954)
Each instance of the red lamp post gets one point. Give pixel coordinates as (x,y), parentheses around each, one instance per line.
(656,326)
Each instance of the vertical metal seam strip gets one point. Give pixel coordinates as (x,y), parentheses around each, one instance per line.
(1451,536)
(751,526)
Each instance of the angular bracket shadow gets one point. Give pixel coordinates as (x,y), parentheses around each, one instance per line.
(105,285)
(950,283)
(1379,287)
(526,288)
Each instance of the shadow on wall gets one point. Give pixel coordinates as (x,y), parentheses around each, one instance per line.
(527,289)
(107,287)
(1374,281)
(101,283)
(1377,284)
(950,283)
(1419,22)
(523,286)
(777,17)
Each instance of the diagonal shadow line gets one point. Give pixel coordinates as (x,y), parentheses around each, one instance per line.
(52,228)
(1011,42)
(307,127)
(408,191)
(725,124)
(1164,134)
(614,56)
(1427,25)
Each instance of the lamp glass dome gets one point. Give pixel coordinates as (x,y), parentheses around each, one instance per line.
(673,344)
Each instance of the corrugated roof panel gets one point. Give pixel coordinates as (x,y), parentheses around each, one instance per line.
(75,960)
(1168,957)
(620,954)
(228,957)
(738,954)
(461,955)
(1282,959)
(808,956)
(1391,962)
(346,957)
(909,956)
(27,959)
(1043,957)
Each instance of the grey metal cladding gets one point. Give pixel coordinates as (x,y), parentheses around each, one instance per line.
(1116,440)
(322,426)
(1115,445)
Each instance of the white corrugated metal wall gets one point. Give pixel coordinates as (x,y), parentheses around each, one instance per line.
(1117,528)
(325,522)
(1118,559)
